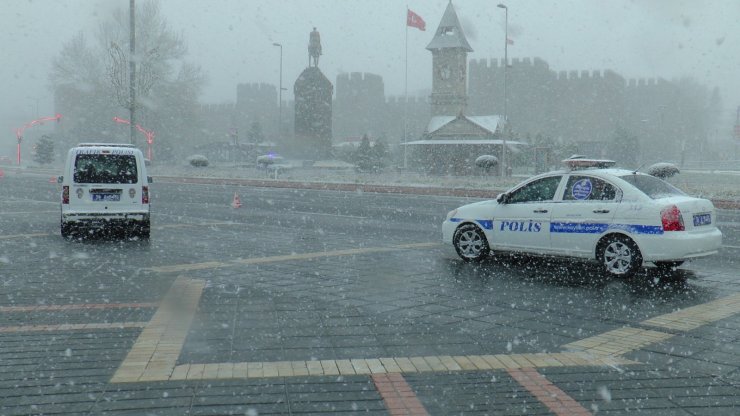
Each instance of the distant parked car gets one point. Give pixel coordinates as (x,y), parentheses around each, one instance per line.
(5,160)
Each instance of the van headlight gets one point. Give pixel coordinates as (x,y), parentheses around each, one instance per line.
(451,214)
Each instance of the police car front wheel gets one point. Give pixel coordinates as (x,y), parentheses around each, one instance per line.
(619,256)
(470,243)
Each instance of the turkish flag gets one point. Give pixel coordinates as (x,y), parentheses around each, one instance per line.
(414,20)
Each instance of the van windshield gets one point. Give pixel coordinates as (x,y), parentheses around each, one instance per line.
(105,169)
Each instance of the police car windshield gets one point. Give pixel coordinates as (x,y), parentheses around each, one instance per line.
(652,186)
(95,168)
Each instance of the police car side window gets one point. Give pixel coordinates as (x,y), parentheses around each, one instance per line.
(588,188)
(540,190)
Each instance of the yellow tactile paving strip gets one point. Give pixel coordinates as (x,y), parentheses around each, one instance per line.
(179,268)
(155,352)
(71,327)
(388,365)
(696,316)
(619,341)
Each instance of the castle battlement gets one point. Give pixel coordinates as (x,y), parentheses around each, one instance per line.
(217,108)
(399,100)
(255,87)
(359,77)
(494,63)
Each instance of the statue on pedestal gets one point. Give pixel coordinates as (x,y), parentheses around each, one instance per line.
(314,48)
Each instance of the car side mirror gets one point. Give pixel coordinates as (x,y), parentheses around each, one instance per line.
(502,198)
(60,179)
(150,179)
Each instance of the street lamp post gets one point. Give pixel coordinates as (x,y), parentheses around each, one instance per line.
(280,93)
(504,164)
(132,69)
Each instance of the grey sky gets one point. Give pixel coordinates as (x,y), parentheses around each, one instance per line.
(232,40)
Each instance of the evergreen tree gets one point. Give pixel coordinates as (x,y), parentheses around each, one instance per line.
(624,148)
(44,150)
(255,134)
(364,155)
(380,155)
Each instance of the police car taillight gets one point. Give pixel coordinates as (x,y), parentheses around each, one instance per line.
(144,194)
(65,194)
(672,219)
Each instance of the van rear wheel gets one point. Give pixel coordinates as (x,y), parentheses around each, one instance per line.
(144,229)
(66,230)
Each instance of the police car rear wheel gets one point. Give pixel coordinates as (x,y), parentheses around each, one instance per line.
(470,243)
(620,256)
(667,266)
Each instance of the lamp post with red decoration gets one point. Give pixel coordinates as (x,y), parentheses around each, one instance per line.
(38,122)
(147,133)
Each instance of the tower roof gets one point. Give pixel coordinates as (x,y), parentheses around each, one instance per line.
(449,33)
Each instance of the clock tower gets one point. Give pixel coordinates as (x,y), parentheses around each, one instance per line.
(450,66)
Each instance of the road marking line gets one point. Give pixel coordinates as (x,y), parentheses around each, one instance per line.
(8,237)
(699,315)
(397,395)
(28,212)
(155,352)
(329,215)
(558,401)
(43,308)
(178,268)
(729,246)
(71,327)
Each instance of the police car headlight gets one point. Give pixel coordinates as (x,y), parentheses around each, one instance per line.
(451,214)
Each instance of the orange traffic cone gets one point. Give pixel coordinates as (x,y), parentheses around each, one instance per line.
(237,203)
(53,179)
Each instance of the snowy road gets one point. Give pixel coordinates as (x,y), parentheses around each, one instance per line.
(301,300)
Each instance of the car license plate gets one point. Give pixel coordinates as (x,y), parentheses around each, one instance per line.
(106,197)
(702,219)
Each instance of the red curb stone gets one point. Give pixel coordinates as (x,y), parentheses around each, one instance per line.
(547,393)
(385,189)
(398,397)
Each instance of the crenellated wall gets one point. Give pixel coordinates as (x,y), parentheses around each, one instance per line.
(582,105)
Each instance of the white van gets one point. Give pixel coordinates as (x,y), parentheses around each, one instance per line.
(105,185)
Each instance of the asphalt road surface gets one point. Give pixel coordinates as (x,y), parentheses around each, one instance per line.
(321,302)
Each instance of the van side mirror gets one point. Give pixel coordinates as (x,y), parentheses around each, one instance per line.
(502,198)
(150,179)
(60,179)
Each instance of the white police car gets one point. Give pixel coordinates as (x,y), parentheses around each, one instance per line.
(620,218)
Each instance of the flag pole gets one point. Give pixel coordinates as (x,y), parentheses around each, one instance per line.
(406,94)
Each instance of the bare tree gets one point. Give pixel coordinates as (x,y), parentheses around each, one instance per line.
(77,64)
(167,86)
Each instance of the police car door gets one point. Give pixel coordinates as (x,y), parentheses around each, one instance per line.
(522,223)
(585,213)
